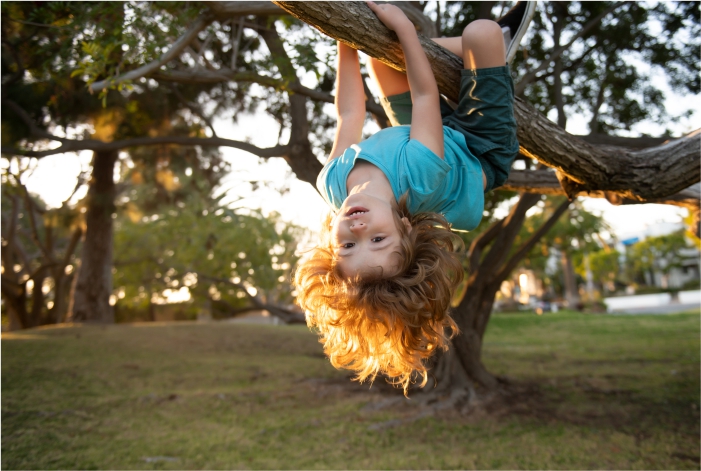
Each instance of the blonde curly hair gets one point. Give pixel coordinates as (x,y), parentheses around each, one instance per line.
(389,325)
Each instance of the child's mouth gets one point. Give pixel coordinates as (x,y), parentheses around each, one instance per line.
(356,211)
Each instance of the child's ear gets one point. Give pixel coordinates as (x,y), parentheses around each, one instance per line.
(407,224)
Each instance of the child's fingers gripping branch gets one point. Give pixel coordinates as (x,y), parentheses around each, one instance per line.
(391,16)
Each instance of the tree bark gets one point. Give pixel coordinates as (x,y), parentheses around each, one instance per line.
(571,291)
(15,297)
(90,300)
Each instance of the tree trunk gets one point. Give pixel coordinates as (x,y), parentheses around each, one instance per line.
(15,297)
(37,297)
(90,300)
(300,158)
(461,371)
(485,11)
(571,291)
(13,286)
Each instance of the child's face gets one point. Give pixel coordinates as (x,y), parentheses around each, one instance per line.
(366,237)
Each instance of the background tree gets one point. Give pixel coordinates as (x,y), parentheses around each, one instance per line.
(230,262)
(604,267)
(570,238)
(238,55)
(38,249)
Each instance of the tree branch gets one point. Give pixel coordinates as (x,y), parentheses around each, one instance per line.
(545,182)
(29,122)
(75,238)
(194,107)
(31,208)
(481,241)
(530,76)
(532,240)
(70,145)
(510,226)
(283,313)
(225,10)
(228,75)
(173,52)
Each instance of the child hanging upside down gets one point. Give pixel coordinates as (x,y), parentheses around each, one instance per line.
(378,287)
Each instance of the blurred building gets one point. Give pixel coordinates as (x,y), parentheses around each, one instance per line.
(678,276)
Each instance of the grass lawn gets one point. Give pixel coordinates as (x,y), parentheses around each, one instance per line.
(599,392)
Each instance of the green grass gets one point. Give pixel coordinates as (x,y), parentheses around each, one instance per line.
(596,392)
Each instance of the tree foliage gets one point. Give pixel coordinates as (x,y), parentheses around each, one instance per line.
(195,245)
(38,252)
(607,73)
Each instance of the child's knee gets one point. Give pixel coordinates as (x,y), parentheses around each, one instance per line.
(481,31)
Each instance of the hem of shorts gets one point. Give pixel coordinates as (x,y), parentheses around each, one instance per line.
(501,70)
(398,97)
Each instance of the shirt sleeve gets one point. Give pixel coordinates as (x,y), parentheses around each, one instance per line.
(425,171)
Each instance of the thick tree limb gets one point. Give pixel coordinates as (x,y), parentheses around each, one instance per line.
(545,182)
(633,175)
(651,173)
(480,242)
(629,142)
(301,159)
(225,10)
(178,46)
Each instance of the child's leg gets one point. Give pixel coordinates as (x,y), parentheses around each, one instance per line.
(478,46)
(390,81)
(484,114)
(394,88)
(453,44)
(483,45)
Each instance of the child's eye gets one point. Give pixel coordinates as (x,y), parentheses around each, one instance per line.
(348,245)
(377,239)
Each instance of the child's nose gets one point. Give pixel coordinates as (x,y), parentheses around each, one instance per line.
(357,226)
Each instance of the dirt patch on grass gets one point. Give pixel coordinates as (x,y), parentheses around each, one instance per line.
(573,401)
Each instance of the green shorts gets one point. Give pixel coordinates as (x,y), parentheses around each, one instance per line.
(484,115)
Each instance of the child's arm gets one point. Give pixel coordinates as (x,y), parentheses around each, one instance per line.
(426,122)
(350,101)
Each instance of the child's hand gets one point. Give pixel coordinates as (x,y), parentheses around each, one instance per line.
(391,16)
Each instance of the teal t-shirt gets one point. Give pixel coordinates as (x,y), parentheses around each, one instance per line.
(452,187)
